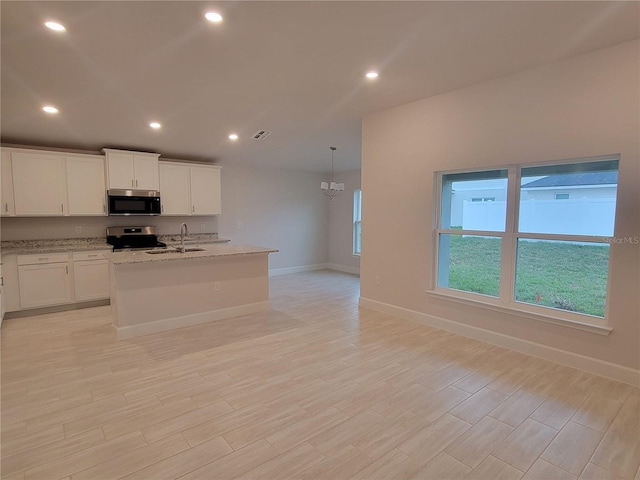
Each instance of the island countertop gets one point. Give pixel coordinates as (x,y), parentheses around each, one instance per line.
(211,250)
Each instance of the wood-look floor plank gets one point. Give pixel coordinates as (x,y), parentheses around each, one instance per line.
(572,448)
(339,391)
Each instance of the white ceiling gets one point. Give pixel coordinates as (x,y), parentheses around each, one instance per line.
(295,68)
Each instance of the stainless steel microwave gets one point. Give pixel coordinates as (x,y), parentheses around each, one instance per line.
(134,202)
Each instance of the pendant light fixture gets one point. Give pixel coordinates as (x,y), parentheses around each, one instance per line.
(332,189)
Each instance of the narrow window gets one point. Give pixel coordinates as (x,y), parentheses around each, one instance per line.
(357,222)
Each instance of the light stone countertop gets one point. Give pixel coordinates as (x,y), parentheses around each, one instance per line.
(211,250)
(26,247)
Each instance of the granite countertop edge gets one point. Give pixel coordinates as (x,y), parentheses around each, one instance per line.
(127,258)
(26,247)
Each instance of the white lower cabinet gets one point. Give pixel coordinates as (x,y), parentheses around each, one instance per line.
(44,280)
(60,278)
(91,276)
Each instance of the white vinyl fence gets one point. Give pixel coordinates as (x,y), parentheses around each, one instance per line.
(582,216)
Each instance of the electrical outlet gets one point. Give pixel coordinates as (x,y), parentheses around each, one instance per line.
(203,227)
(378,282)
(216,286)
(78,229)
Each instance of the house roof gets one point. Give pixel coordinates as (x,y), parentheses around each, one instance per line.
(575,179)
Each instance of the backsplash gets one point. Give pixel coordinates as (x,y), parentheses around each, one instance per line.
(38,228)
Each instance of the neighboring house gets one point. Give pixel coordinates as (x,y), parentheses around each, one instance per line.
(475,191)
(572,186)
(549,204)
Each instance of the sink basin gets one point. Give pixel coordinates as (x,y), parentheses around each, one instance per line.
(175,250)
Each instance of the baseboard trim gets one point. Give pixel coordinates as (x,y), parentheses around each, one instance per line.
(190,320)
(55,309)
(581,362)
(302,268)
(343,268)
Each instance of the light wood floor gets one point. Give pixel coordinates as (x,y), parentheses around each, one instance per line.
(314,389)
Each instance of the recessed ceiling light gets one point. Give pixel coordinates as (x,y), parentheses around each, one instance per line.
(50,109)
(155,125)
(233,136)
(55,26)
(372,75)
(213,17)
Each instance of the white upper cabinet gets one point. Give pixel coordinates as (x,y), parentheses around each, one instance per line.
(39,183)
(205,190)
(8,207)
(132,170)
(175,186)
(86,191)
(188,189)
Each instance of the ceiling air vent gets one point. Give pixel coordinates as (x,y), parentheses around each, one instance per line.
(261,134)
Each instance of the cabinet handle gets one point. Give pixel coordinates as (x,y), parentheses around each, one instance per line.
(193,208)
(93,255)
(6,207)
(136,183)
(162,208)
(104,208)
(43,258)
(1,281)
(62,207)
(67,270)
(132,183)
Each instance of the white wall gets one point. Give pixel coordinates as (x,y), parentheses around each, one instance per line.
(581,107)
(283,209)
(341,255)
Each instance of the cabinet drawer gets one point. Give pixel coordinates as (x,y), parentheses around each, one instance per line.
(36,259)
(95,255)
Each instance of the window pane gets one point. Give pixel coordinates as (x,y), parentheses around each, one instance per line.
(474,201)
(469,263)
(588,194)
(566,275)
(357,238)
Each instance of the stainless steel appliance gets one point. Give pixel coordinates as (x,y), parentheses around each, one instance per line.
(133,238)
(134,202)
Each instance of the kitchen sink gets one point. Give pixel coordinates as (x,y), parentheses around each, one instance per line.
(172,250)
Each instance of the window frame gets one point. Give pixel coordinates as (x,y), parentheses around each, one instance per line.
(506,302)
(357,222)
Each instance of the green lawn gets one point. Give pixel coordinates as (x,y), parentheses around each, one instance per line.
(563,275)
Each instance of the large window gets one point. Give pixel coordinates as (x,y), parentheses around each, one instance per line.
(523,249)
(357,222)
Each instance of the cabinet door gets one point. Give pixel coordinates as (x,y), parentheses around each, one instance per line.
(8,208)
(91,279)
(120,170)
(10,287)
(38,184)
(146,172)
(174,189)
(85,186)
(44,285)
(205,191)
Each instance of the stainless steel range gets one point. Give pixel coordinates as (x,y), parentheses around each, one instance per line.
(133,238)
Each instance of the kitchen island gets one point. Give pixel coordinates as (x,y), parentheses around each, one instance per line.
(154,292)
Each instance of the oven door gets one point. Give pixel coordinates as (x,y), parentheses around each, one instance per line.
(134,202)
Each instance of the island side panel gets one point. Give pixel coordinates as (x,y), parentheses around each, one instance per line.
(162,295)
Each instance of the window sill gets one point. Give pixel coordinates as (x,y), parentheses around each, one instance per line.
(479,302)
(356,254)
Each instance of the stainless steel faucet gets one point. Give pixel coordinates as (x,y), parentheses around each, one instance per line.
(183,231)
